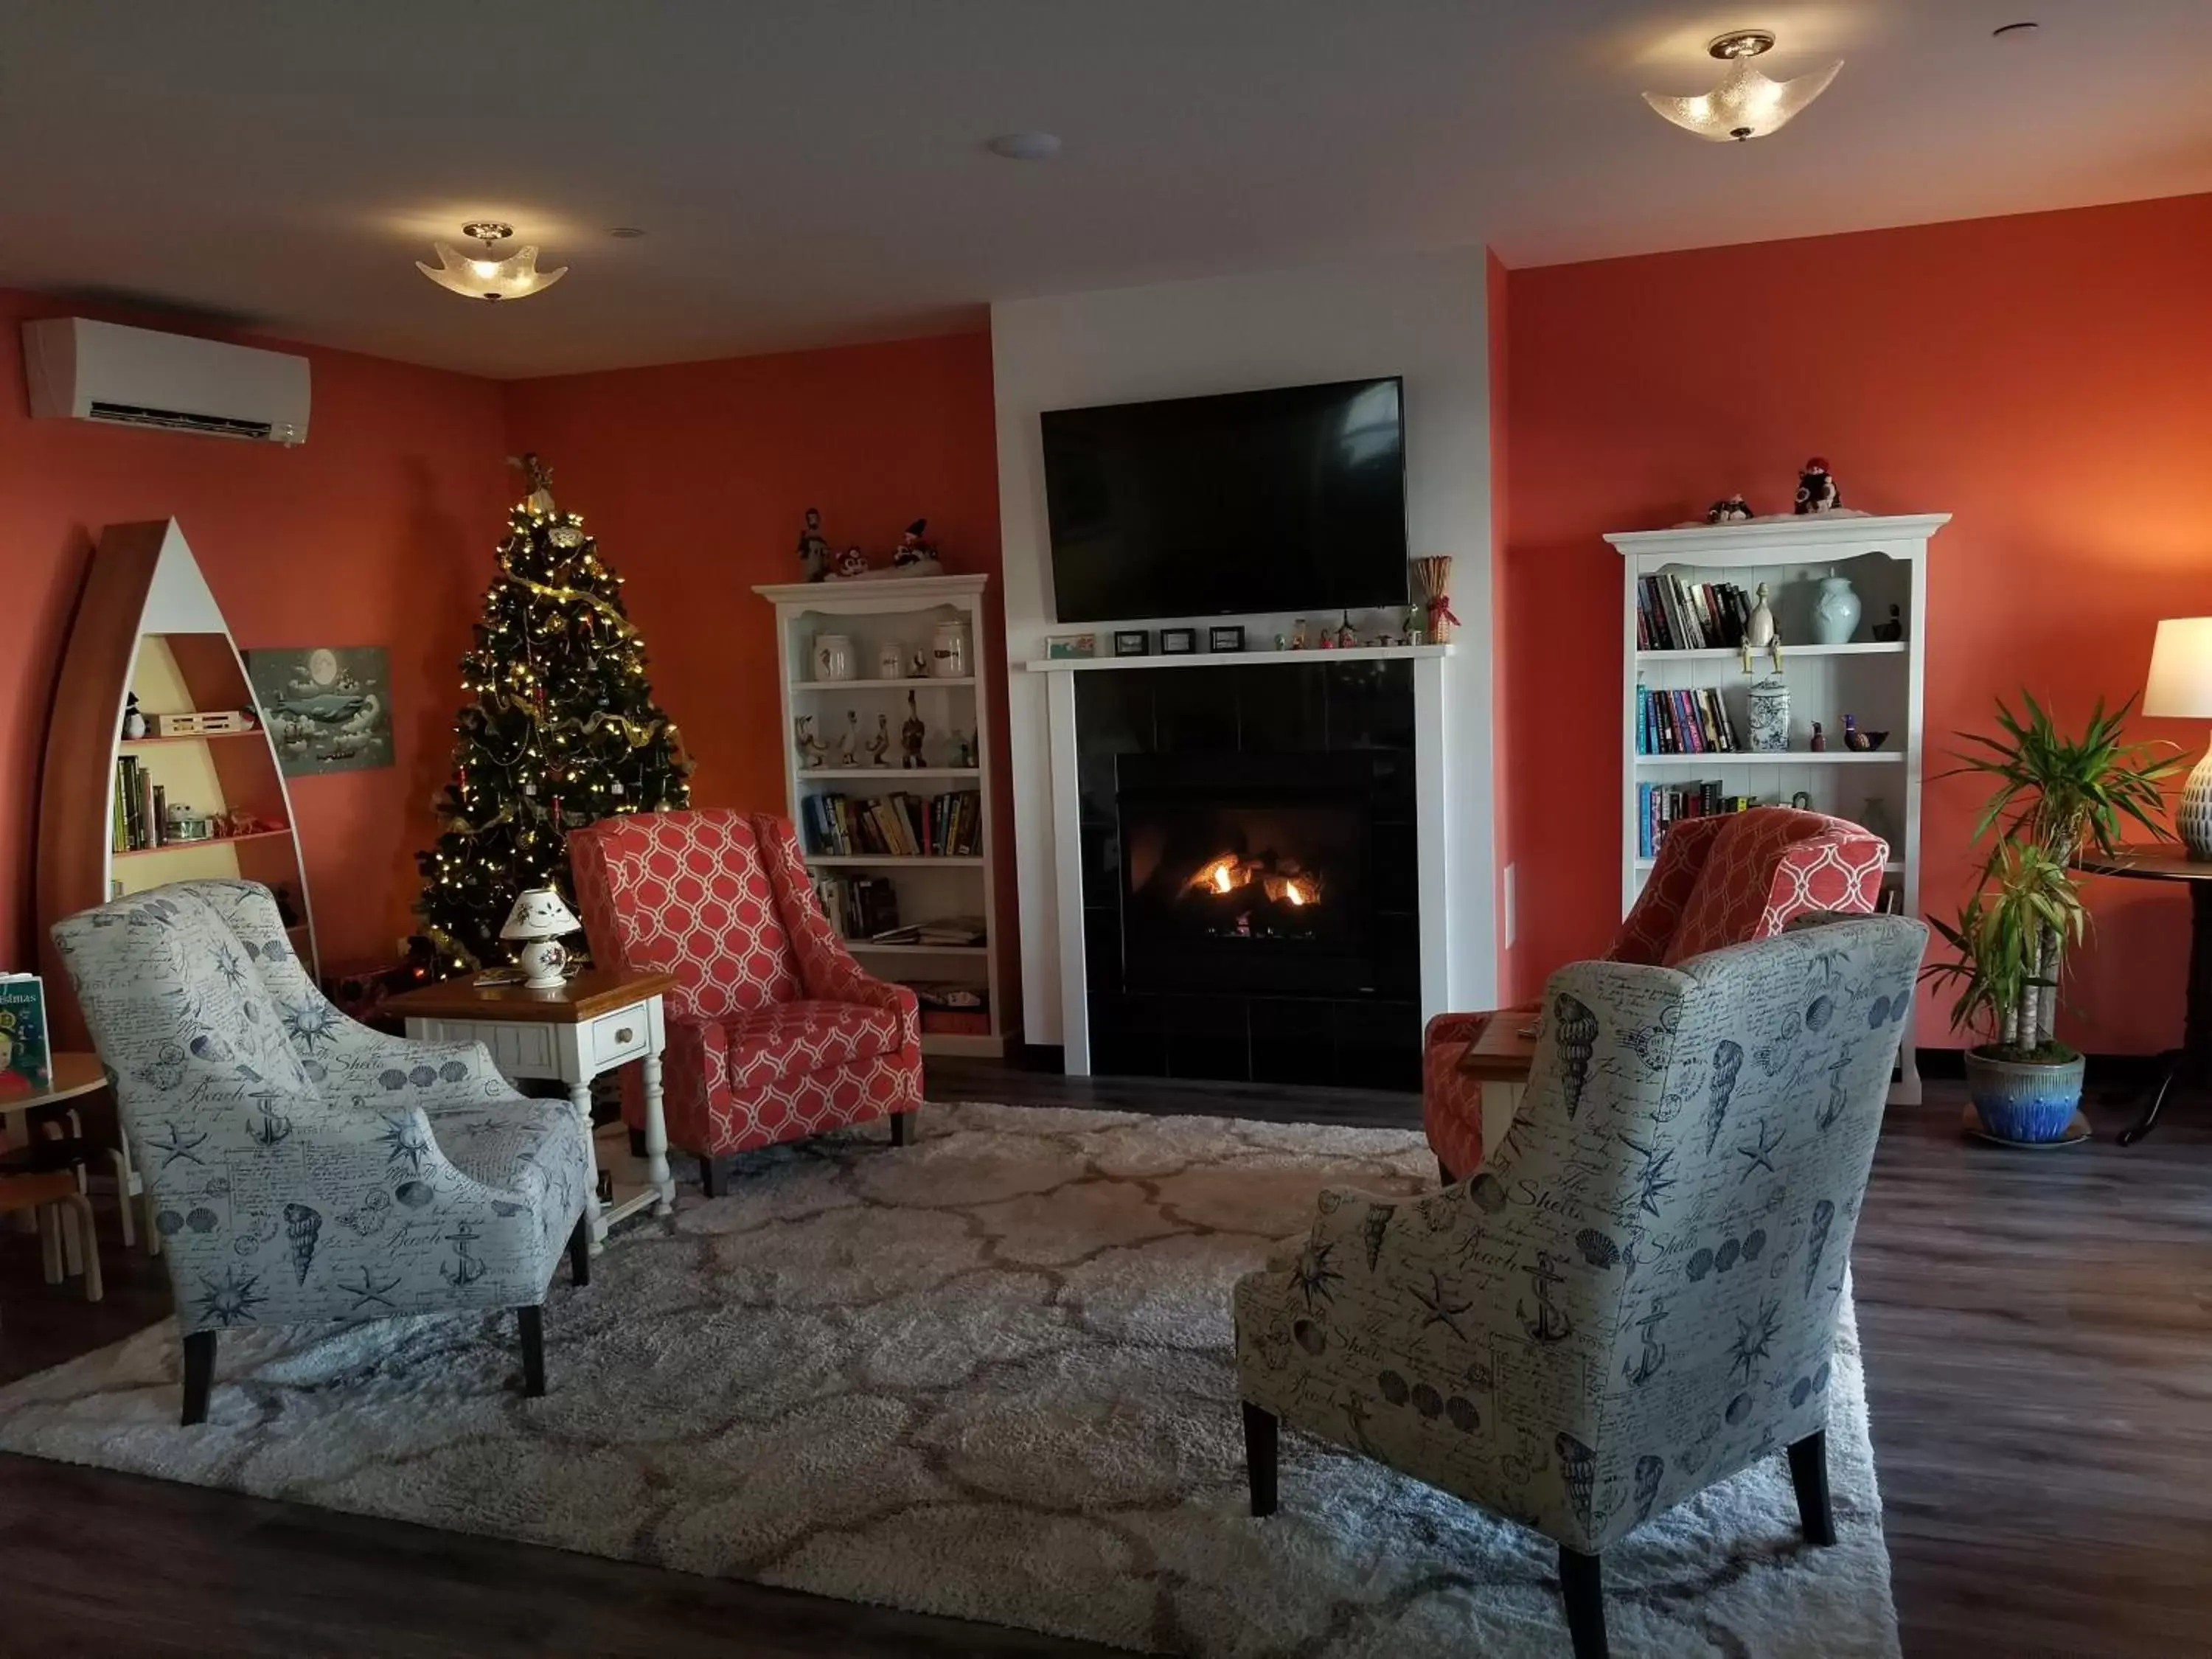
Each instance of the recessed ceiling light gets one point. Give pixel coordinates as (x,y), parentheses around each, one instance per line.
(1025,146)
(627,233)
(2014,31)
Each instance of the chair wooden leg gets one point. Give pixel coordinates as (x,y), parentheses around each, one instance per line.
(125,1214)
(199,1374)
(81,1206)
(532,1320)
(580,1252)
(714,1175)
(1261,1428)
(902,1128)
(50,1244)
(1581,1580)
(1808,1473)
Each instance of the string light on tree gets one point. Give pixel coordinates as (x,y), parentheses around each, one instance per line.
(562,729)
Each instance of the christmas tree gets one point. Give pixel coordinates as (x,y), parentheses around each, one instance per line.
(561,730)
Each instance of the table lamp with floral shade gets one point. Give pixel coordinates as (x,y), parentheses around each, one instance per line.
(536,923)
(2180,688)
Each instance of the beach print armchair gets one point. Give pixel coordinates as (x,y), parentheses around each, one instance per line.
(1636,1296)
(302,1167)
(1718,881)
(775,1032)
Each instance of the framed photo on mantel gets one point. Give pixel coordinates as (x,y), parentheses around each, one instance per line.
(1178,642)
(1132,641)
(1228,636)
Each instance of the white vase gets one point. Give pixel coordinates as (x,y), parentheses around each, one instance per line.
(1836,615)
(833,657)
(948,651)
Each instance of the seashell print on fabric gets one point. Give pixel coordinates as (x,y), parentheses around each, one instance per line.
(1728,1064)
(1574,1030)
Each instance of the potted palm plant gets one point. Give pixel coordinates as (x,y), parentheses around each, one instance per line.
(2057,798)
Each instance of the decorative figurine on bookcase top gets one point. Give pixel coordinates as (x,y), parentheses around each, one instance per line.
(915,556)
(848,740)
(1890,632)
(1858,742)
(814,547)
(879,746)
(134,723)
(917,664)
(1733,509)
(1345,639)
(811,752)
(1817,492)
(912,733)
(1819,743)
(1415,619)
(852,562)
(1298,634)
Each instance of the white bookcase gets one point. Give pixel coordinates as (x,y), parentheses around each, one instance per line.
(1878,681)
(903,612)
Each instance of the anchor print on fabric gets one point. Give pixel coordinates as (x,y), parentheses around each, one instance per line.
(1647,1364)
(1549,1323)
(466,1267)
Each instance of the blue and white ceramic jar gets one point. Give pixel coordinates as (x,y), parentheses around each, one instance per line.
(1836,613)
(1769,701)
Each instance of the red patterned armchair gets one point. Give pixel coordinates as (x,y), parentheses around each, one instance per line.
(775,1032)
(1718,881)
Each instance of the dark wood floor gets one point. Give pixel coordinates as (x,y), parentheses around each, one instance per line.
(2039,1336)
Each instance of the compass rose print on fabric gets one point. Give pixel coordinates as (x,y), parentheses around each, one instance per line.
(231,1301)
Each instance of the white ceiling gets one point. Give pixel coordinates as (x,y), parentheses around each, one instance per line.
(812,171)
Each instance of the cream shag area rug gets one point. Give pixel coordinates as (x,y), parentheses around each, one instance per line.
(988,1376)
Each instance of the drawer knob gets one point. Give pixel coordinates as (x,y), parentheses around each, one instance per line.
(623,1034)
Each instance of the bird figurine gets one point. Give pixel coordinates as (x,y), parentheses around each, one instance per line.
(1759,633)
(879,746)
(1853,739)
(1819,743)
(1732,510)
(810,751)
(1816,489)
(1891,631)
(848,740)
(911,733)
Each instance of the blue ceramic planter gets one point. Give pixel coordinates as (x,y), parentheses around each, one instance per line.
(2019,1102)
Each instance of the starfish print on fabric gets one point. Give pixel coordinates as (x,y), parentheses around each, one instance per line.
(404,1142)
(233,1301)
(176,1145)
(312,1023)
(1315,1280)
(1652,1181)
(1760,1155)
(1441,1312)
(1754,1337)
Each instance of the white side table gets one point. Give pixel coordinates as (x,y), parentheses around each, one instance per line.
(600,1019)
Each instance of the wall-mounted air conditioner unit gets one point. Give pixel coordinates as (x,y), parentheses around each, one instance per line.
(82,370)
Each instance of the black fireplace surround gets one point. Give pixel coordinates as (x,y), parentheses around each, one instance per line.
(1250,891)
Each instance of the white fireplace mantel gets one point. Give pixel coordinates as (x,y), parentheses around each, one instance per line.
(1432,798)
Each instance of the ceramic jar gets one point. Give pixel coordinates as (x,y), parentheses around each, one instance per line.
(948,651)
(890,663)
(1770,715)
(833,657)
(1836,613)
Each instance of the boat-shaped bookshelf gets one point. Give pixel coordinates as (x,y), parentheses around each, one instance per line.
(147,624)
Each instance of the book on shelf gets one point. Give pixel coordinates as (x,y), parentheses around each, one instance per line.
(1673,615)
(27,1062)
(141,808)
(857,907)
(1692,721)
(1660,805)
(896,825)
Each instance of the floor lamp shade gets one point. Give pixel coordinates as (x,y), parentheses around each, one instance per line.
(2180,688)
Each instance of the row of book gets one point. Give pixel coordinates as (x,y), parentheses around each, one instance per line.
(857,907)
(1660,805)
(1692,721)
(142,807)
(1673,615)
(950,825)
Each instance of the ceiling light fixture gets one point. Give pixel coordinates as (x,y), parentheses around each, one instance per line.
(489,276)
(1746,104)
(1025,146)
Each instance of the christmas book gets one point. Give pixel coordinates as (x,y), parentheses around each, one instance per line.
(26,1061)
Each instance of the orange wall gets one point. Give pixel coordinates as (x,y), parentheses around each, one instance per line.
(2042,378)
(694,478)
(376,532)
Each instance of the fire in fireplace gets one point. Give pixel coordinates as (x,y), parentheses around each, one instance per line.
(1245,873)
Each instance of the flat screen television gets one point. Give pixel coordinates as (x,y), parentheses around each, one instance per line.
(1283,501)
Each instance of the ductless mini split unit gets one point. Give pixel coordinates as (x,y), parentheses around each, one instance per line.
(78,369)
